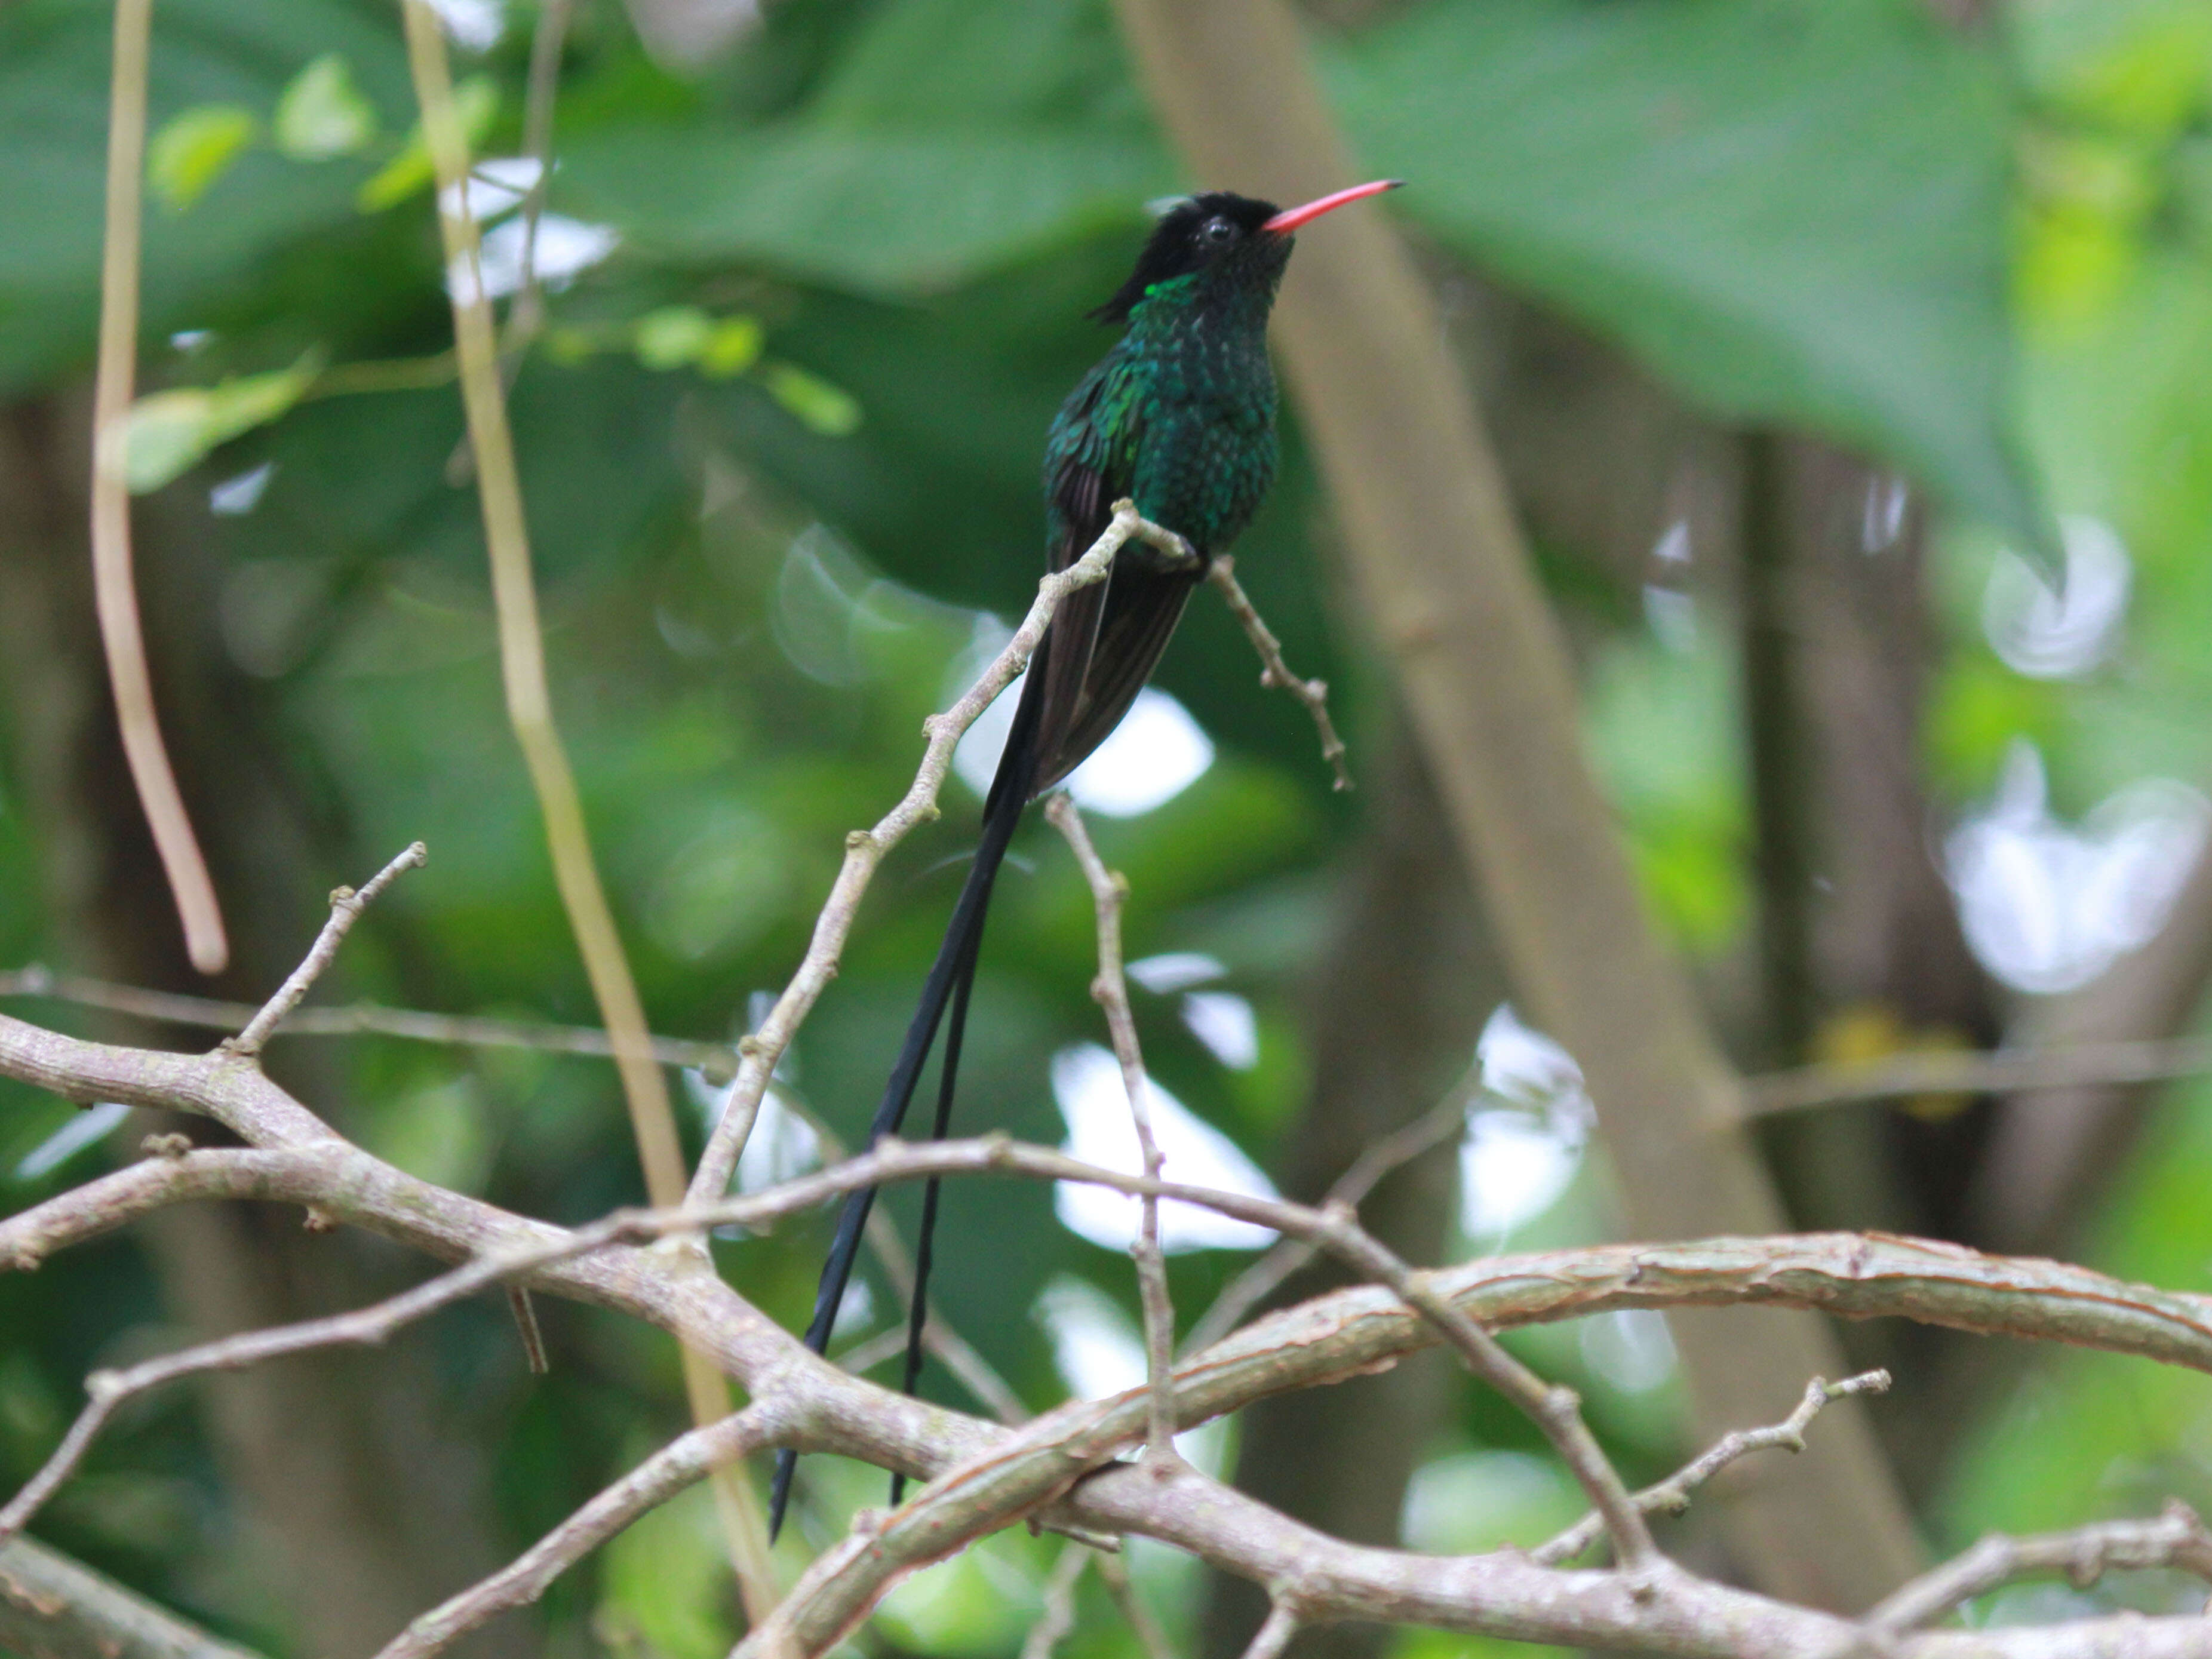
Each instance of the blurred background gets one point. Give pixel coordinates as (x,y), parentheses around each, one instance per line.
(1804,329)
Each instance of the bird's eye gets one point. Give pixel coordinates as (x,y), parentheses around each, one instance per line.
(1217,230)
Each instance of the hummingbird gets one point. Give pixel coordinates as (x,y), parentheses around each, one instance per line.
(1179,416)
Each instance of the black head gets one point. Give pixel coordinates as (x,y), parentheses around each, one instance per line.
(1239,236)
(1197,233)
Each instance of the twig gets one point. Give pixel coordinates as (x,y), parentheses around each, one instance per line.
(1274,1635)
(2175,1539)
(1287,1256)
(1968,1071)
(53,1608)
(865,849)
(345,906)
(717,1059)
(1274,672)
(1057,1616)
(1114,1573)
(680,1464)
(530,709)
(115,593)
(1110,990)
(527,314)
(1672,1495)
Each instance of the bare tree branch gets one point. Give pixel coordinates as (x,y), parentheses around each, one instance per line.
(865,849)
(1672,1495)
(345,906)
(1059,1468)
(683,1462)
(1287,1256)
(1274,1634)
(717,1059)
(53,1608)
(1274,672)
(2175,1539)
(1110,990)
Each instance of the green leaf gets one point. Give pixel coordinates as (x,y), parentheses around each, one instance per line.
(734,347)
(673,336)
(476,101)
(1795,210)
(166,432)
(323,113)
(820,407)
(194,149)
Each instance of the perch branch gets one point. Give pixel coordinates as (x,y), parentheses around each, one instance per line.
(865,849)
(52,1607)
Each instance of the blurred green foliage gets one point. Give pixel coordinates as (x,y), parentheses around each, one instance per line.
(780,449)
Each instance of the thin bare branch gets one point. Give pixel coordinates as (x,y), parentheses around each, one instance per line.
(865,849)
(683,1462)
(1287,1256)
(1057,1617)
(1274,672)
(345,906)
(1971,1071)
(2175,1539)
(717,1059)
(1110,990)
(115,593)
(1273,1635)
(1672,1495)
(1114,1573)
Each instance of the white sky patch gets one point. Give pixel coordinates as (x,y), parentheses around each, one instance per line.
(233,498)
(566,249)
(2050,637)
(1157,751)
(81,1131)
(1176,970)
(1517,1158)
(1225,1024)
(2047,906)
(1087,1082)
(1099,1352)
(472,25)
(1881,520)
(497,185)
(1630,1348)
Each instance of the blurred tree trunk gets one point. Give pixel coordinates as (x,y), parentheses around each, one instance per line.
(1446,577)
(363,1512)
(1407,982)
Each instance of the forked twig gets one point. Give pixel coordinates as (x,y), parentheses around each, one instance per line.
(1286,1257)
(345,906)
(1111,989)
(1274,672)
(2175,1539)
(1672,1495)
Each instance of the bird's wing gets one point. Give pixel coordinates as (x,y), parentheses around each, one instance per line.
(1106,637)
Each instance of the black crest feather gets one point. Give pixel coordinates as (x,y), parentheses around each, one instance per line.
(1179,245)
